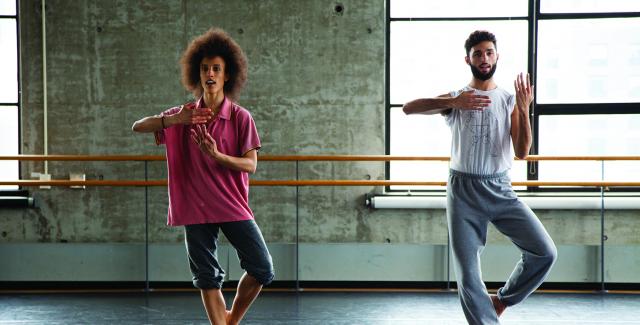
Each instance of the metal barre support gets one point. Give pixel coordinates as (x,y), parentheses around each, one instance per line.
(297,233)
(146,229)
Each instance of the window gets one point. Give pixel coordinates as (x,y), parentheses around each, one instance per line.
(588,77)
(590,61)
(9,103)
(588,6)
(600,135)
(586,72)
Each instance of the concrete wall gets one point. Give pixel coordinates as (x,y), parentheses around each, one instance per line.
(316,86)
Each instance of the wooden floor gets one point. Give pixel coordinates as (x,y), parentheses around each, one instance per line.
(311,308)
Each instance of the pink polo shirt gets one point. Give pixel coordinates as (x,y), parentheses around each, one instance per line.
(200,189)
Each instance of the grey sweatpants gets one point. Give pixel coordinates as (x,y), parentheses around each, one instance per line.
(472,202)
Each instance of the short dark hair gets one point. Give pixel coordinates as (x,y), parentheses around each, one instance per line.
(215,42)
(477,37)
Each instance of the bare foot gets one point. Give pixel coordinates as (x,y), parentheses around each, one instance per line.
(498,305)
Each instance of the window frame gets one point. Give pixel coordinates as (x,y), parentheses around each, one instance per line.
(18,103)
(533,18)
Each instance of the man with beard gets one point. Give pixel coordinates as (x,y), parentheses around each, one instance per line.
(484,121)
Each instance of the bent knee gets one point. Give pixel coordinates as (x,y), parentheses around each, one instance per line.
(262,270)
(264,274)
(550,254)
(264,277)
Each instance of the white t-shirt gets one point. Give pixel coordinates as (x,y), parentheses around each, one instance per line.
(481,140)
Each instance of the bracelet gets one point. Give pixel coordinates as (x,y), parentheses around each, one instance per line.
(162,120)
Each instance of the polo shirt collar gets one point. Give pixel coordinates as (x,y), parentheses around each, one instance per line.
(225,108)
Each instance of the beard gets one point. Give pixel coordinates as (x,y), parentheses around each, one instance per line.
(483,76)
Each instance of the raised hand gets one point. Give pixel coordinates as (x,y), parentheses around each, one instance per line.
(524,91)
(470,101)
(204,140)
(189,114)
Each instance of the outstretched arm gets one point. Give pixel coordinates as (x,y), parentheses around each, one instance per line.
(444,103)
(186,115)
(520,125)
